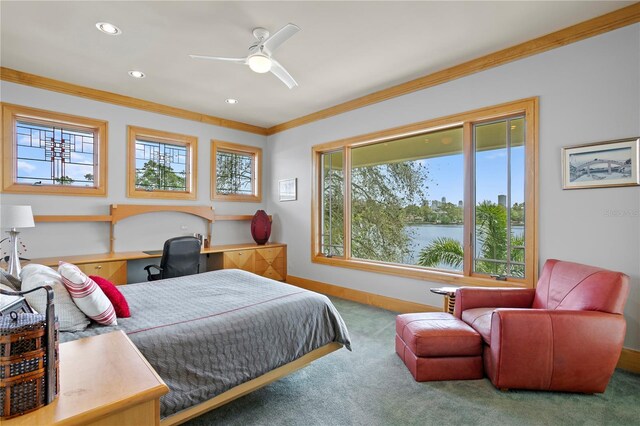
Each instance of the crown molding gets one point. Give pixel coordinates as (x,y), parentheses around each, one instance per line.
(611,21)
(20,77)
(593,27)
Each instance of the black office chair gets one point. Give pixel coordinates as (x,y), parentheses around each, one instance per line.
(180,256)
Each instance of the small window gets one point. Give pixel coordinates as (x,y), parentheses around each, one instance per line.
(47,152)
(161,164)
(235,172)
(332,200)
(499,149)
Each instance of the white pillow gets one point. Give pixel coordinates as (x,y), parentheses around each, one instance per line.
(88,296)
(70,318)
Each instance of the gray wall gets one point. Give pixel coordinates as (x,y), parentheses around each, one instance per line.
(145,232)
(589,91)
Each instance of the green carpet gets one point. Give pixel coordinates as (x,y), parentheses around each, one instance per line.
(371,386)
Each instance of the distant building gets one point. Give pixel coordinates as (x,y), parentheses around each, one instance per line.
(502,200)
(444,200)
(460,203)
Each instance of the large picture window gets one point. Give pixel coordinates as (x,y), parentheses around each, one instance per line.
(235,172)
(161,164)
(451,199)
(45,152)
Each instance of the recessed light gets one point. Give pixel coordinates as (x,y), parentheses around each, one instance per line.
(137,74)
(231,101)
(108,28)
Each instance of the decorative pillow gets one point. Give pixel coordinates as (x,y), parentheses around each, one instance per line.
(9,280)
(116,298)
(87,295)
(70,318)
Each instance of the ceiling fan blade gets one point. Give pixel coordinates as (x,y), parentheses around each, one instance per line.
(218,58)
(279,71)
(282,35)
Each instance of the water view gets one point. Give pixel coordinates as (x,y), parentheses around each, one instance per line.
(424,234)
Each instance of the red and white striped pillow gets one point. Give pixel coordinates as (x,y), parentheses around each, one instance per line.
(87,295)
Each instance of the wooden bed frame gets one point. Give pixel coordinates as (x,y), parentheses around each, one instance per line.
(250,386)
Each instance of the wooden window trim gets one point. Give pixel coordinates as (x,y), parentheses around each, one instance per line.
(8,166)
(256,171)
(191,178)
(529,108)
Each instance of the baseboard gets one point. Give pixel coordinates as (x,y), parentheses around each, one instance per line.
(629,358)
(363,297)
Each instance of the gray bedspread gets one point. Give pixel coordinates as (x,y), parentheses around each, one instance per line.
(207,333)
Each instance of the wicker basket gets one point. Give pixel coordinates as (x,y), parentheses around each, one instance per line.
(23,364)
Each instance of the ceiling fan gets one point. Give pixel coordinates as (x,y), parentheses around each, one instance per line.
(259,58)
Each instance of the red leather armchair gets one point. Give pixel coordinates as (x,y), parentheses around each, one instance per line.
(566,335)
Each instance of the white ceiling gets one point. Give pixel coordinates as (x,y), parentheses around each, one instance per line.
(345,49)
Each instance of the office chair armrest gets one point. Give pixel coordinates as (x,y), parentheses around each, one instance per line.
(148,269)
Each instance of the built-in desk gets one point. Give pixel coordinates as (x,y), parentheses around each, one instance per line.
(269,260)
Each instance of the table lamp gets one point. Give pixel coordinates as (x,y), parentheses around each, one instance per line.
(16,217)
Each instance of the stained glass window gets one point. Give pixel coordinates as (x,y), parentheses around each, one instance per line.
(51,155)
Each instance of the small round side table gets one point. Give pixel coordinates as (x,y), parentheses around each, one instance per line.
(449,294)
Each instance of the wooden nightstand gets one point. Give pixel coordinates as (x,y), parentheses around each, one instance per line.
(104,380)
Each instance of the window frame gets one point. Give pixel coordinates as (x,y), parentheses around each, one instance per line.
(12,113)
(526,107)
(191,176)
(256,170)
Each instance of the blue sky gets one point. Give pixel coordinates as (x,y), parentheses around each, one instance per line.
(32,163)
(446,176)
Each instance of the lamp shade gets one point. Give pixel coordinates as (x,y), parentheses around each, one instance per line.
(16,217)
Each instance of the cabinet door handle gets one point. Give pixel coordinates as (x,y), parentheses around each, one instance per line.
(99,267)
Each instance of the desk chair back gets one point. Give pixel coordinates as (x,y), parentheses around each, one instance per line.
(180,256)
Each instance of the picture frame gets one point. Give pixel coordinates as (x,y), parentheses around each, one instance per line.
(601,164)
(288,189)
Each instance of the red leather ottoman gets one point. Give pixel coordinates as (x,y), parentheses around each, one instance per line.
(438,346)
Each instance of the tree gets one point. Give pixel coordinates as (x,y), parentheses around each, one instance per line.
(89,176)
(333,213)
(154,175)
(442,251)
(379,195)
(517,213)
(233,173)
(64,180)
(491,234)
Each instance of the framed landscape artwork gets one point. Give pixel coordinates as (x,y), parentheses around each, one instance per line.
(602,164)
(288,190)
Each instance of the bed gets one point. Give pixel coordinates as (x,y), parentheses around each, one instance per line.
(216,336)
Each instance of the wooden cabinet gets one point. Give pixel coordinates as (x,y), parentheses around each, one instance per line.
(115,271)
(90,392)
(269,261)
(239,259)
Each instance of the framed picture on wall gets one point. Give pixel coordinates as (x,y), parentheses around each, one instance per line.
(601,164)
(288,189)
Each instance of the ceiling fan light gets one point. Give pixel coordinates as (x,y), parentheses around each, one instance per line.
(260,63)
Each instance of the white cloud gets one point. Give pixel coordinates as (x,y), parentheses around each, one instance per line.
(25,167)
